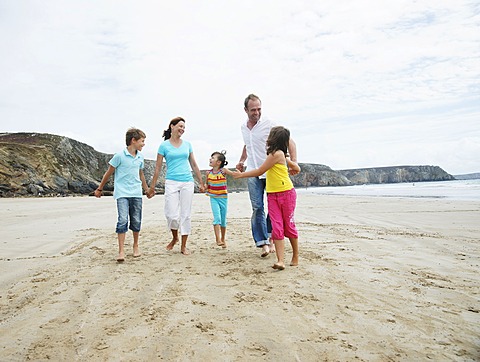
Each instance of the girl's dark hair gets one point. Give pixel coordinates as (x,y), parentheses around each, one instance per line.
(168,132)
(221,157)
(278,140)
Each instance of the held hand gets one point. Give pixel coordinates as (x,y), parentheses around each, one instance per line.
(97,193)
(202,188)
(293,172)
(240,167)
(237,174)
(150,193)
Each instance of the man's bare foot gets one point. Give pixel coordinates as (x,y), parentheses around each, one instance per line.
(265,251)
(185,251)
(278,266)
(171,244)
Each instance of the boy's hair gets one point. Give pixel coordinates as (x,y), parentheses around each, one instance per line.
(221,157)
(168,132)
(278,140)
(134,133)
(250,97)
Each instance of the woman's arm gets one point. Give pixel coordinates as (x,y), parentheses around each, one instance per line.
(158,167)
(196,171)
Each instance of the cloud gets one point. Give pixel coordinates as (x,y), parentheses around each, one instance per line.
(356,87)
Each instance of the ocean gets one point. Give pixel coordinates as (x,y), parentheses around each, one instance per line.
(453,190)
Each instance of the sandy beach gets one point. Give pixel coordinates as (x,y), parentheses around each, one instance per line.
(380,279)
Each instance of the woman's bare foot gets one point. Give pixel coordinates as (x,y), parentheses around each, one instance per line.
(185,251)
(278,266)
(172,244)
(294,262)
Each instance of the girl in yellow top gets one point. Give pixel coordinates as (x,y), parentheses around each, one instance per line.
(281,194)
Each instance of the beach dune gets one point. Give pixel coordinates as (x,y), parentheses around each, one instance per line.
(380,279)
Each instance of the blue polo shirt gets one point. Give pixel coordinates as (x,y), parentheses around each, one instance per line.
(178,165)
(127,174)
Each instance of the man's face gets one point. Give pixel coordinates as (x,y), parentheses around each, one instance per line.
(254,110)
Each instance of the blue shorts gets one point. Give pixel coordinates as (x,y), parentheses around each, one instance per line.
(219,210)
(129,208)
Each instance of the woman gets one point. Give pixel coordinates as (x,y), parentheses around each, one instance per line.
(179,185)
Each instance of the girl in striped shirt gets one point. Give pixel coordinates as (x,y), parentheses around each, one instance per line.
(216,187)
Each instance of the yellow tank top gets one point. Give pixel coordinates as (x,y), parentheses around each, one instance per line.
(278,179)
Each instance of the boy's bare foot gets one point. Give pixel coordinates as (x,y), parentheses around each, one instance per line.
(278,266)
(171,244)
(121,258)
(185,251)
(136,253)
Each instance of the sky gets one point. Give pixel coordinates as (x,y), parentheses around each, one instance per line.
(366,83)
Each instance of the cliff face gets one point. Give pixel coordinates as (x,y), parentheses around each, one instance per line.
(33,164)
(396,174)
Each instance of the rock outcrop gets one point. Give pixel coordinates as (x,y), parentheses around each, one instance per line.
(382,175)
(34,164)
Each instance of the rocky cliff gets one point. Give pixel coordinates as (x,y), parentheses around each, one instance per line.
(34,164)
(396,174)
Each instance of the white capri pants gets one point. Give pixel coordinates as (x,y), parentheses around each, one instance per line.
(178,205)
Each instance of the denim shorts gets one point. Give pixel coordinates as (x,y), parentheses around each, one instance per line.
(129,208)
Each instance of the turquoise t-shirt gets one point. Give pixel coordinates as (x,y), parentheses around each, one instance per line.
(127,174)
(178,166)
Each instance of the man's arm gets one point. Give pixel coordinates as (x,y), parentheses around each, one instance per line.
(240,167)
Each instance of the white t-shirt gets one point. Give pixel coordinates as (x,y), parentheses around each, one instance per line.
(256,141)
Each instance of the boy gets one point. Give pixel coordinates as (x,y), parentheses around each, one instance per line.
(129,179)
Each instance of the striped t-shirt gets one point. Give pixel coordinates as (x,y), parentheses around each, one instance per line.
(216,184)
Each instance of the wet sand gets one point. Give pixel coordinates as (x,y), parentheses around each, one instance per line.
(380,279)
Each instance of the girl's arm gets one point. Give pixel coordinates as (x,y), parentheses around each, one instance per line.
(293,166)
(271,160)
(196,171)
(158,167)
(227,171)
(106,176)
(292,150)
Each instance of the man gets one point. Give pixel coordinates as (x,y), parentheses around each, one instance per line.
(255,133)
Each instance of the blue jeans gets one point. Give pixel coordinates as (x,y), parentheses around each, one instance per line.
(129,207)
(261,227)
